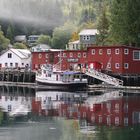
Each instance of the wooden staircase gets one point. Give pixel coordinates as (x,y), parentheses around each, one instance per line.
(104,77)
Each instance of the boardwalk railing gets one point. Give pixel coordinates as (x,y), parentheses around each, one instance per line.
(104,77)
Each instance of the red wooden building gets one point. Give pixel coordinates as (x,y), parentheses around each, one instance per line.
(118,59)
(68,59)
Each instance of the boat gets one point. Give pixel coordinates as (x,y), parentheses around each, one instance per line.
(51,77)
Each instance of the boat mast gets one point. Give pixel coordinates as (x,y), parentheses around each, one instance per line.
(60,60)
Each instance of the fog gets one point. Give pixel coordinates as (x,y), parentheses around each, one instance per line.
(38,12)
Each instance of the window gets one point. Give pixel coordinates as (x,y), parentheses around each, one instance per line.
(100,51)
(116,107)
(117,121)
(39,55)
(108,120)
(117,65)
(93,51)
(116,51)
(125,108)
(125,121)
(86,37)
(36,66)
(11,64)
(79,55)
(108,106)
(108,65)
(71,54)
(136,55)
(46,55)
(136,117)
(22,64)
(16,65)
(126,51)
(84,55)
(108,51)
(126,65)
(9,108)
(100,119)
(6,65)
(9,55)
(64,55)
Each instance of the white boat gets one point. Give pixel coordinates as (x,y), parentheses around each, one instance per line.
(52,78)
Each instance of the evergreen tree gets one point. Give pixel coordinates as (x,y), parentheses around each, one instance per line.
(103,27)
(4,42)
(10,33)
(125,22)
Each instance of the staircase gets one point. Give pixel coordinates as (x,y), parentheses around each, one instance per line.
(104,77)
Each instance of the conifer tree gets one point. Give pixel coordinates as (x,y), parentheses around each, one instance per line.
(125,22)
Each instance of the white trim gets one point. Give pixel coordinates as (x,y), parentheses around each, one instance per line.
(108,51)
(71,54)
(79,55)
(117,65)
(126,65)
(84,55)
(117,51)
(138,55)
(117,121)
(39,55)
(100,51)
(64,55)
(46,55)
(93,51)
(108,65)
(126,51)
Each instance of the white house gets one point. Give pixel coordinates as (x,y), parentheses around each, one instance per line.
(15,105)
(15,58)
(40,48)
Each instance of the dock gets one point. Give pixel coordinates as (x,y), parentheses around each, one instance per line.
(17,76)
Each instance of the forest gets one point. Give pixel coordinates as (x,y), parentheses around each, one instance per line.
(117,21)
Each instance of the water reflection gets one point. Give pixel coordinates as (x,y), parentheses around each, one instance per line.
(68,115)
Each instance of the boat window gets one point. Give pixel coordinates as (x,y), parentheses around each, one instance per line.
(49,75)
(44,71)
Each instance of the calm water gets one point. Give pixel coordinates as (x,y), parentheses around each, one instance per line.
(27,114)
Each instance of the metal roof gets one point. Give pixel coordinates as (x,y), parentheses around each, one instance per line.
(89,32)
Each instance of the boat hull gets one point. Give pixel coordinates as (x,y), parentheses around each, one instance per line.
(62,86)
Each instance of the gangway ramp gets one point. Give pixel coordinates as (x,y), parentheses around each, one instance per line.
(104,77)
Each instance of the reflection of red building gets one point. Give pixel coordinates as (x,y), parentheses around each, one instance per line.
(116,112)
(121,111)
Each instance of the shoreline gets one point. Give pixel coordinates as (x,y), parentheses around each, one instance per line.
(89,87)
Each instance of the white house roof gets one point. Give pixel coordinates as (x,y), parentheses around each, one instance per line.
(75,42)
(20,38)
(89,32)
(22,53)
(43,48)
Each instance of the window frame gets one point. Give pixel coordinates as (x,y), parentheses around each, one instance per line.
(93,51)
(117,65)
(126,51)
(126,65)
(108,51)
(100,51)
(117,51)
(136,51)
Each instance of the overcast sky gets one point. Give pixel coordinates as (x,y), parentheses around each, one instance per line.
(29,11)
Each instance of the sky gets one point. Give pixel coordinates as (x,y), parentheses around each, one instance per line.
(30,11)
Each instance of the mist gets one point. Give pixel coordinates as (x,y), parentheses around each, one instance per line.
(45,13)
